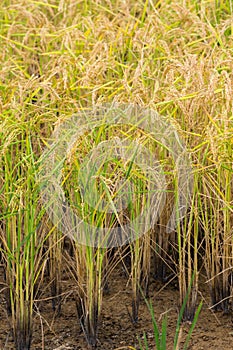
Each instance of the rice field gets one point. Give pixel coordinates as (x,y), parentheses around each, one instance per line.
(116,156)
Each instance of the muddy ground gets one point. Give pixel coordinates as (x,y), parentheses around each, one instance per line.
(116,331)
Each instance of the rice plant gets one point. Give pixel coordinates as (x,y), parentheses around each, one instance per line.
(22,238)
(188,268)
(216,215)
(160,337)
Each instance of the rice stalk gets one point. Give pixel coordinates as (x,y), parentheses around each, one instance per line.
(188,267)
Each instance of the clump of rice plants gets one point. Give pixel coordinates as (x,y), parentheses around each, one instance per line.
(22,238)
(216,212)
(109,192)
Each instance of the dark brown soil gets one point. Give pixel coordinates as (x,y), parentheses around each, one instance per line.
(213,331)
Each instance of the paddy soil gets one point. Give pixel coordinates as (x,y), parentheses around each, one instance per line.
(116,331)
